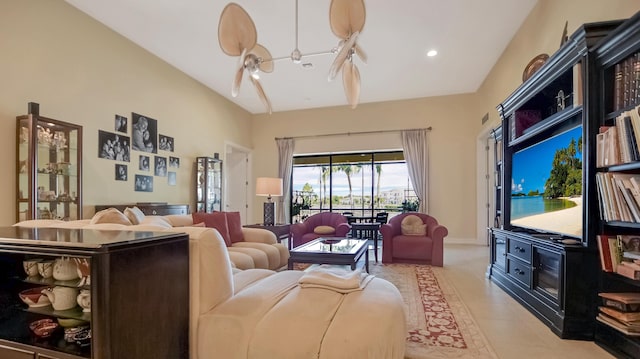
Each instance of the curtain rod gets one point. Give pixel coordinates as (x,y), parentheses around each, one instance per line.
(352,133)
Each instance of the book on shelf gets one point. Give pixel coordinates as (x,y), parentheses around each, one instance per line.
(624,302)
(628,269)
(605,254)
(629,317)
(610,250)
(618,89)
(631,330)
(619,196)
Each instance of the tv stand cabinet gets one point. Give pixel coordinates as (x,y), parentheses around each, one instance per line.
(547,277)
(554,281)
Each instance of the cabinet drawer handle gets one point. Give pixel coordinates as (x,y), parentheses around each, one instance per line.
(521,250)
(518,271)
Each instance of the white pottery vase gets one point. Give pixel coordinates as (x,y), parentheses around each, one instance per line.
(65,269)
(84,300)
(62,298)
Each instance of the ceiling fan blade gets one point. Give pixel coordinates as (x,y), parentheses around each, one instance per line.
(236,30)
(235,88)
(346,17)
(343,54)
(361,54)
(266,60)
(351,83)
(261,94)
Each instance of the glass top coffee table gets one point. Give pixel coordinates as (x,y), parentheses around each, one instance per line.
(338,251)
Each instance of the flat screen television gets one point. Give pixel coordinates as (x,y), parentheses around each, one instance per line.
(546,185)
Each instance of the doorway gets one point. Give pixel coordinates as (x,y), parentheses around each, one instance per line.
(236,168)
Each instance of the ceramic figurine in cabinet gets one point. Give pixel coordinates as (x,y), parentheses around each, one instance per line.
(65,269)
(84,271)
(62,298)
(31,267)
(45,269)
(84,300)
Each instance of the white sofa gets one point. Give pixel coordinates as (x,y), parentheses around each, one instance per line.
(260,248)
(260,313)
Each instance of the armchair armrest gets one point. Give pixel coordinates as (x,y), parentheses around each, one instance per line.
(298,230)
(259,235)
(437,232)
(343,229)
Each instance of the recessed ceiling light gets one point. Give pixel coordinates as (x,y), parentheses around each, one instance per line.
(432,53)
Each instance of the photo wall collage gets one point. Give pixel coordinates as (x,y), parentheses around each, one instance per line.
(156,151)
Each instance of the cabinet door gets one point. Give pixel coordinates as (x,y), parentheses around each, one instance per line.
(500,251)
(547,277)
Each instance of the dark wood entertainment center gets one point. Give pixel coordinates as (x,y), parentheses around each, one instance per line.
(557,282)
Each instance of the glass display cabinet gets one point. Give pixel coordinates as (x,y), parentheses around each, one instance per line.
(209,186)
(49,168)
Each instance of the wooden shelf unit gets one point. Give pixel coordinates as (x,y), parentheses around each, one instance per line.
(139,289)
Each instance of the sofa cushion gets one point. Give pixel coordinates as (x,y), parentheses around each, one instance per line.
(159,221)
(324,230)
(235,227)
(134,214)
(110,215)
(412,225)
(217,220)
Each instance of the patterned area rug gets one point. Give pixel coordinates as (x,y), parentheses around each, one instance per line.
(439,324)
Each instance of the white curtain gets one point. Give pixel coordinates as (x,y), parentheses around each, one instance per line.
(414,144)
(285,167)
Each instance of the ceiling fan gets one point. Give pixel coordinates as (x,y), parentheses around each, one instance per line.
(238,37)
(347,19)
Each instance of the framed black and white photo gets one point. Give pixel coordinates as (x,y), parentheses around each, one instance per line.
(165,143)
(121,172)
(121,124)
(160,166)
(144,133)
(143,183)
(112,146)
(171,178)
(174,162)
(144,163)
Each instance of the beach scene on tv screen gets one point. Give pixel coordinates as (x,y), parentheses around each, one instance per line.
(546,185)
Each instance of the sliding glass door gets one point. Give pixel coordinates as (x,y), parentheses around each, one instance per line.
(361,183)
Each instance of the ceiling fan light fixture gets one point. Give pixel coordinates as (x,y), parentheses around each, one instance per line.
(296,56)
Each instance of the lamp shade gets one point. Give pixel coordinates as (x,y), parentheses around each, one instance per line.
(267,186)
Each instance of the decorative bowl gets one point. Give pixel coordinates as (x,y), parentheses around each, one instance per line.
(33,297)
(43,328)
(71,322)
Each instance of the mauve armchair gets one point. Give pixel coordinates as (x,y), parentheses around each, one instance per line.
(307,231)
(427,249)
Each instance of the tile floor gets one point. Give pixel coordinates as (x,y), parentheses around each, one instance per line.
(511,330)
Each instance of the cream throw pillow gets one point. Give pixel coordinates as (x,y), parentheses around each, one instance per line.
(110,215)
(412,225)
(324,230)
(134,215)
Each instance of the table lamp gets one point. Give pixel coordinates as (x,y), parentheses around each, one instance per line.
(266,186)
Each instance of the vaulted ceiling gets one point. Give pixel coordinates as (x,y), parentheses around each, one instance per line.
(469,35)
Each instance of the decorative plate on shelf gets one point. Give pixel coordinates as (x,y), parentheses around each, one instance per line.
(534,65)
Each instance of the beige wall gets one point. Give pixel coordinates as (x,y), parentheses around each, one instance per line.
(451,145)
(81,72)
